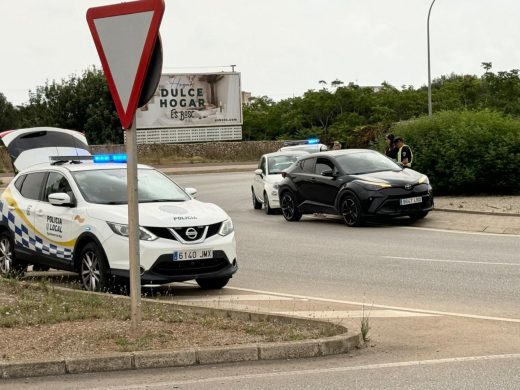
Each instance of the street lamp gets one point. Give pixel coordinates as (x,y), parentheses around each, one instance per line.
(429,70)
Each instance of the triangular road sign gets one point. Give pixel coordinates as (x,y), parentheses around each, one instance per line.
(125,36)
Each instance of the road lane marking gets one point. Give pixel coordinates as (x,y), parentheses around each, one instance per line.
(438,312)
(338,314)
(449,261)
(509,235)
(237,378)
(233,298)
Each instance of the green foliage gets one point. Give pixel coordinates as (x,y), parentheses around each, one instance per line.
(466,152)
(8,115)
(80,103)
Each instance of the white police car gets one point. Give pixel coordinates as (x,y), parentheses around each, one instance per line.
(72,214)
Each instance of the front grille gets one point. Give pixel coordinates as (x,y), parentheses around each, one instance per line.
(163,232)
(393,205)
(166,266)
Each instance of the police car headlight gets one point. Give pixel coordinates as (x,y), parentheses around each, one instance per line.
(226,227)
(122,230)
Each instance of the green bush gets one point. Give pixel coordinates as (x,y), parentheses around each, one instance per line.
(466,152)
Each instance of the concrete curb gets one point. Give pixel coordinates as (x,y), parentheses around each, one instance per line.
(477,212)
(324,346)
(182,358)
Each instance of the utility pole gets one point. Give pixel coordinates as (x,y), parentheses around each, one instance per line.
(429,68)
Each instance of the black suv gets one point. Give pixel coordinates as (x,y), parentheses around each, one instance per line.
(354,183)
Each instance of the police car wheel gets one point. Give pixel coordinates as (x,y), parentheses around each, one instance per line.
(212,284)
(93,268)
(8,264)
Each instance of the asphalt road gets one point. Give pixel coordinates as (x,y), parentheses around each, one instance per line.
(471,281)
(397,264)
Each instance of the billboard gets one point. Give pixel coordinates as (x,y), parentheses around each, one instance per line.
(201,100)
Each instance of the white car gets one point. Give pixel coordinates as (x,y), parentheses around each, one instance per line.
(269,173)
(72,214)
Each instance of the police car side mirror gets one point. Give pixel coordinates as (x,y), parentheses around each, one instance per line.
(258,172)
(60,199)
(191,191)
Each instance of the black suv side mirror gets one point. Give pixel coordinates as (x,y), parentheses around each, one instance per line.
(328,173)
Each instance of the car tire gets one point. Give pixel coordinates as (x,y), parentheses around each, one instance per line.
(93,268)
(351,211)
(267,208)
(289,209)
(212,284)
(419,215)
(257,205)
(9,266)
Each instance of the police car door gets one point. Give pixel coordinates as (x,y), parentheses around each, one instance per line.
(58,224)
(19,210)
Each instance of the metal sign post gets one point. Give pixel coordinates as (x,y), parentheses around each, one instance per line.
(133,229)
(127,39)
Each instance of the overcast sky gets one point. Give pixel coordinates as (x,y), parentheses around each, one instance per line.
(281,47)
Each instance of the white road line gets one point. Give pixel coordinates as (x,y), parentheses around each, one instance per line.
(449,261)
(336,314)
(459,231)
(442,313)
(234,378)
(232,298)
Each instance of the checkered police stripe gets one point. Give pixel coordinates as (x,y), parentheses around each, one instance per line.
(28,239)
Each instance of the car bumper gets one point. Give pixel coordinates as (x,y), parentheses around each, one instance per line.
(157,264)
(388,202)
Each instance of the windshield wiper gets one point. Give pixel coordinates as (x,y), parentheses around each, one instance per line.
(161,200)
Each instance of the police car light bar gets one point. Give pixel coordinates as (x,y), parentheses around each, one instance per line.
(313,141)
(109,158)
(98,158)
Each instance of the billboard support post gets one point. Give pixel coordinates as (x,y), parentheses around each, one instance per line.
(133,229)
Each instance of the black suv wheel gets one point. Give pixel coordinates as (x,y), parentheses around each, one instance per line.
(289,209)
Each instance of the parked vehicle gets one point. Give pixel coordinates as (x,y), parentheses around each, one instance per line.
(71,213)
(353,183)
(264,189)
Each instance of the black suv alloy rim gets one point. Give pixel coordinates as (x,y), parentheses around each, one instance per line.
(350,211)
(287,206)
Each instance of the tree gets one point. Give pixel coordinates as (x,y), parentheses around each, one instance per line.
(8,115)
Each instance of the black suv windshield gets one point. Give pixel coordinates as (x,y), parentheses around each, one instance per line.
(366,162)
(108,186)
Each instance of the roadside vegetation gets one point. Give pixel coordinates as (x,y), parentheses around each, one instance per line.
(38,319)
(471,144)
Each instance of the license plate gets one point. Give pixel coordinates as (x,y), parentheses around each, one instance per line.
(406,201)
(196,254)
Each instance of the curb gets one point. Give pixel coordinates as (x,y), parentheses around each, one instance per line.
(324,346)
(183,358)
(477,212)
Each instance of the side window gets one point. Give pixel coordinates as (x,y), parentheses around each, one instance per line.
(56,182)
(18,183)
(307,165)
(323,164)
(32,185)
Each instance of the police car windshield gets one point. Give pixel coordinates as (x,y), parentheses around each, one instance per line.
(108,186)
(278,163)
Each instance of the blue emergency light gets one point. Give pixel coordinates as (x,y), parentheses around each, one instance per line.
(109,158)
(313,141)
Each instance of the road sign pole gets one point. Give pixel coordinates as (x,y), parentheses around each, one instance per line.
(133,229)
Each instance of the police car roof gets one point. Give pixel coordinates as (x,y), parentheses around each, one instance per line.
(77,166)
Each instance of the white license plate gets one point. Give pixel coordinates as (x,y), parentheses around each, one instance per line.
(195,254)
(417,199)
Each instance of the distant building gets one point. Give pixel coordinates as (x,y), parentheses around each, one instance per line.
(246,98)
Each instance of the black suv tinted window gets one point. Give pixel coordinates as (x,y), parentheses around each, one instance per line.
(32,185)
(308,165)
(323,164)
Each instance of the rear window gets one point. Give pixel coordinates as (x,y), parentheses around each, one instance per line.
(32,185)
(43,139)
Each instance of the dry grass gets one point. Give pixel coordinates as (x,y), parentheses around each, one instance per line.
(38,320)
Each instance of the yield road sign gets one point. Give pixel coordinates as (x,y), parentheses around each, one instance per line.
(125,36)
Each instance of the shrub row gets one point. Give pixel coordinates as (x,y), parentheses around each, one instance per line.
(466,152)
